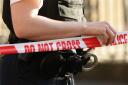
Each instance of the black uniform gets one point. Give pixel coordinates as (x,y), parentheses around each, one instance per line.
(28,69)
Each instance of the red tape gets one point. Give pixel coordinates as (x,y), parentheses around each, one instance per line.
(8,50)
(94,42)
(60,44)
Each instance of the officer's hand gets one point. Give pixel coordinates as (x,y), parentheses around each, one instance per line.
(101,29)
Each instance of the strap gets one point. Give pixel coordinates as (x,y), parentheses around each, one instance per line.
(7,14)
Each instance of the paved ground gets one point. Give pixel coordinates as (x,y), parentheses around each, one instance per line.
(0,74)
(104,75)
(99,83)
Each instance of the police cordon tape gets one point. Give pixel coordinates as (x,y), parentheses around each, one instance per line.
(60,44)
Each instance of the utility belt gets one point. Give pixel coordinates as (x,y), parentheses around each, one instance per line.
(53,64)
(57,63)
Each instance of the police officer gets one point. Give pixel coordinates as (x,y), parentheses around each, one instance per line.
(38,20)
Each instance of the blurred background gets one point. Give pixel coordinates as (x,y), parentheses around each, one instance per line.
(115,12)
(113,61)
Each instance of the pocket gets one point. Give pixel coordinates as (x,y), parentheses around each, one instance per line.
(71,9)
(51,65)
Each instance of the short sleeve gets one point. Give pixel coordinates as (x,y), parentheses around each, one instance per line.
(14,1)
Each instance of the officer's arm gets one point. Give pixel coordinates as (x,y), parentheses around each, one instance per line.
(29,25)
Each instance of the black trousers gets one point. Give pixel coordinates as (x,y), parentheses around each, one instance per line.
(10,74)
